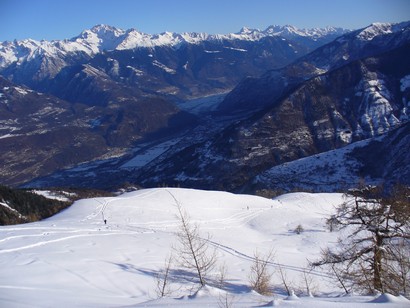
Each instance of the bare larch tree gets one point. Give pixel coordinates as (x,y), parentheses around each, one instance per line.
(194,252)
(372,255)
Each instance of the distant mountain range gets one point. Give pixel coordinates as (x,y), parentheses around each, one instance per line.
(181,65)
(125,105)
(106,38)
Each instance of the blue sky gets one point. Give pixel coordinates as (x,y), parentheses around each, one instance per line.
(59,19)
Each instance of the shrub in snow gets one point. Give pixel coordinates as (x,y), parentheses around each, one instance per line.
(260,277)
(299,229)
(163,279)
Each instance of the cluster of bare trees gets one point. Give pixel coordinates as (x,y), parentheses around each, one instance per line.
(195,254)
(374,254)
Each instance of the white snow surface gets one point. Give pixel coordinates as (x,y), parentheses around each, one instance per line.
(374,30)
(55,195)
(378,28)
(74,260)
(144,156)
(333,169)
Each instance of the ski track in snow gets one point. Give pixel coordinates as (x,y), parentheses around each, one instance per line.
(244,256)
(149,218)
(236,220)
(43,243)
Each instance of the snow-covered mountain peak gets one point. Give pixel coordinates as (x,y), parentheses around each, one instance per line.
(288,31)
(100,37)
(374,30)
(131,39)
(378,28)
(246,30)
(102,33)
(11,52)
(103,29)
(134,39)
(27,42)
(104,37)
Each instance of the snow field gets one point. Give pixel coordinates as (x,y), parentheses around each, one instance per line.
(75,260)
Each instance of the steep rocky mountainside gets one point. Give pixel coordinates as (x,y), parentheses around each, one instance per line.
(258,92)
(365,98)
(41,133)
(362,99)
(353,88)
(381,160)
(97,95)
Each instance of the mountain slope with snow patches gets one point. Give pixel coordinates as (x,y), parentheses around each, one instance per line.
(362,99)
(126,84)
(74,259)
(162,110)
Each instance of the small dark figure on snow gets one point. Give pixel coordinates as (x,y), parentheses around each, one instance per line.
(105,221)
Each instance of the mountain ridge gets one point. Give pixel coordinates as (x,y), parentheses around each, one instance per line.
(346,48)
(303,103)
(104,37)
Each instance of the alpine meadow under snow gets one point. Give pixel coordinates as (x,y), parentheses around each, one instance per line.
(76,260)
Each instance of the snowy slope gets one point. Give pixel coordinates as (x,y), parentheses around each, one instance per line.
(378,28)
(335,170)
(74,260)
